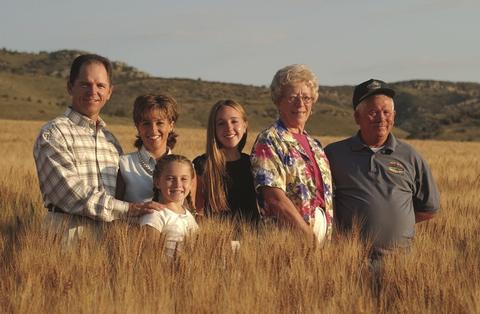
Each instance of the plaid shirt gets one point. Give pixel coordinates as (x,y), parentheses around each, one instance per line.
(77,164)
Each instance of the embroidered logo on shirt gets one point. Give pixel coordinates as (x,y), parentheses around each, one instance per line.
(395,167)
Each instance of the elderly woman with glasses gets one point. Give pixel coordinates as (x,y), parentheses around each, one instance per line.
(291,172)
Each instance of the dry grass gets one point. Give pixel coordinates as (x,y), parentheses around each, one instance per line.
(120,271)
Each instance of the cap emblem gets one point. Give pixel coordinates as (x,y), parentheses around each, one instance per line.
(374,85)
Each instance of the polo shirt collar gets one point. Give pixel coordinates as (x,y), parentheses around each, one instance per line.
(80,120)
(391,143)
(357,144)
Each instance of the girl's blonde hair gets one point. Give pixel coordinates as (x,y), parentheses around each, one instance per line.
(215,174)
(160,167)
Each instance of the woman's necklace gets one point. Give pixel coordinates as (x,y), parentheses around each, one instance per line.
(145,165)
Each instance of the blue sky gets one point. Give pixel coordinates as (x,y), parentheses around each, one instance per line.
(343,41)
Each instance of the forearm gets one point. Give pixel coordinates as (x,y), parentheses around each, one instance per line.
(292,217)
(62,187)
(422,216)
(78,199)
(277,202)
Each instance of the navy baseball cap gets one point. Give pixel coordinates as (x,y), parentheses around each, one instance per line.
(369,88)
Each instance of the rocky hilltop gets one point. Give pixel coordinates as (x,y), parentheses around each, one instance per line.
(32,86)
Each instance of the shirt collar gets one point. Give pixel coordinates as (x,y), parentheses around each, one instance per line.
(357,144)
(83,121)
(288,137)
(285,133)
(146,155)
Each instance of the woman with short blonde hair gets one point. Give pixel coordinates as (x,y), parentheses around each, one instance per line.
(291,172)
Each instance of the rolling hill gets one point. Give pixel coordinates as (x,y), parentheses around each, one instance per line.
(32,87)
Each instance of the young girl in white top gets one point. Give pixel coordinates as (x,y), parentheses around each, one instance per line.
(172,181)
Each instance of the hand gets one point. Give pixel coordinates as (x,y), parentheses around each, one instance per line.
(155,205)
(308,234)
(422,216)
(139,209)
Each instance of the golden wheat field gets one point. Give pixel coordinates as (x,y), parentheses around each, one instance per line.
(119,271)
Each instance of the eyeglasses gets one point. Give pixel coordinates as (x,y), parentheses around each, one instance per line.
(304,99)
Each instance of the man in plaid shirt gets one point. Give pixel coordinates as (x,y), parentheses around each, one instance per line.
(77,157)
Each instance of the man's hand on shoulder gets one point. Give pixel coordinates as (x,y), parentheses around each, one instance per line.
(139,209)
(155,205)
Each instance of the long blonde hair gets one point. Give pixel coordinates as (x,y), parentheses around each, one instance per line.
(215,174)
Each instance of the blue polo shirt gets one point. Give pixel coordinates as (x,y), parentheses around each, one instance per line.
(380,191)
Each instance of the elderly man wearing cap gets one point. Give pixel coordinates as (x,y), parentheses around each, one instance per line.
(381,185)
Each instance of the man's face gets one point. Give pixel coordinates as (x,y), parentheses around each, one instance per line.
(375,117)
(91,90)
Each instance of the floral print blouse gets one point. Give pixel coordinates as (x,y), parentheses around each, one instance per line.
(279,161)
